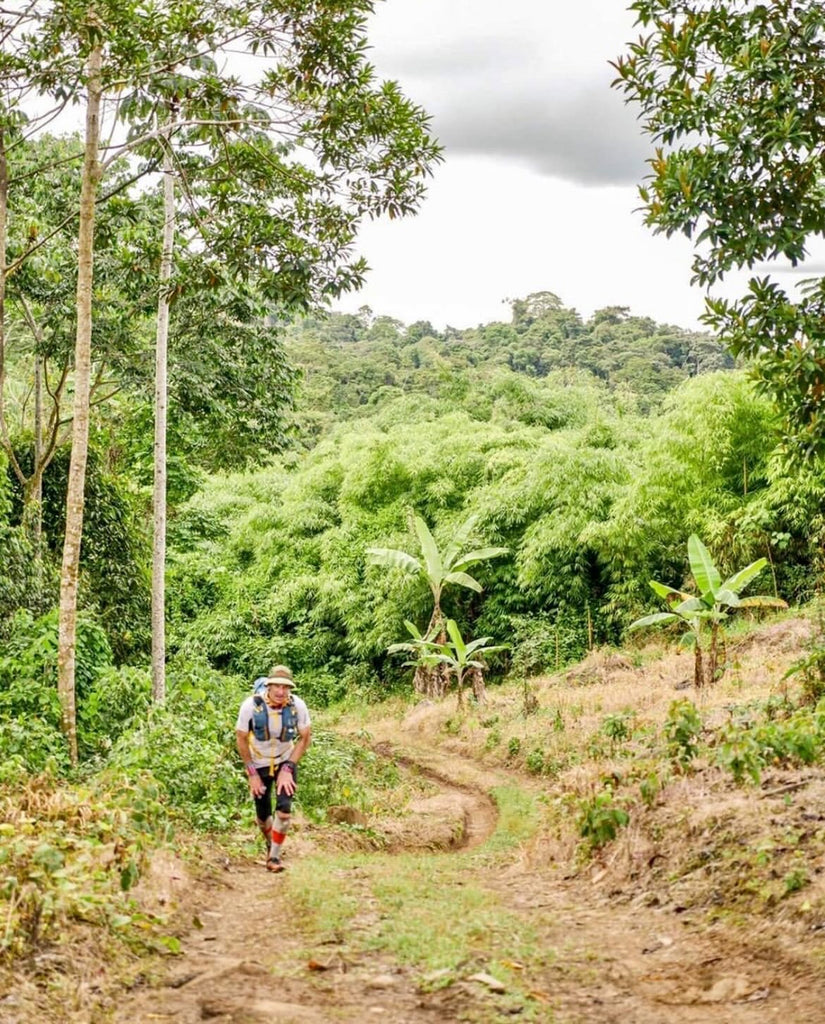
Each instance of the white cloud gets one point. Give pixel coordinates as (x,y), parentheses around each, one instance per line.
(542,158)
(521,81)
(588,136)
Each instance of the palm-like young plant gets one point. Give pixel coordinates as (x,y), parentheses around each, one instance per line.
(715,600)
(440,570)
(466,659)
(461,657)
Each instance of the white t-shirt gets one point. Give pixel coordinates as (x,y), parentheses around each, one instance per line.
(272,751)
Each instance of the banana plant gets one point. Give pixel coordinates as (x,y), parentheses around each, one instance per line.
(715,599)
(440,570)
(460,657)
(467,659)
(419,644)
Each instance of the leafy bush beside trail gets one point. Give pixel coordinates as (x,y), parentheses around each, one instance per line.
(73,854)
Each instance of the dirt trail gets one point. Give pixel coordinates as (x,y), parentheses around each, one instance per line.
(228,965)
(613,962)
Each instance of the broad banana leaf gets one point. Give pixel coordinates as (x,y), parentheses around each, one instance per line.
(471,649)
(701,565)
(740,579)
(480,555)
(463,580)
(654,619)
(394,559)
(691,607)
(432,559)
(667,592)
(762,601)
(457,639)
(460,538)
(396,648)
(482,641)
(414,631)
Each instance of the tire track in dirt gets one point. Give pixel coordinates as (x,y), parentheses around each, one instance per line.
(620,960)
(478,811)
(606,959)
(236,968)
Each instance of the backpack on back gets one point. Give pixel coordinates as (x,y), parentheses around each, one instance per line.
(260,715)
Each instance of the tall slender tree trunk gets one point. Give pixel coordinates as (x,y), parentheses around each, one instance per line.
(4,219)
(37,488)
(161,406)
(69,574)
(33,487)
(37,483)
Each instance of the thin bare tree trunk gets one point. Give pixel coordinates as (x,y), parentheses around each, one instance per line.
(4,219)
(33,485)
(161,406)
(698,668)
(37,489)
(479,690)
(70,570)
(459,687)
(713,656)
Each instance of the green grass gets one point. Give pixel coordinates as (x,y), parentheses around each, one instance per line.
(432,913)
(519,819)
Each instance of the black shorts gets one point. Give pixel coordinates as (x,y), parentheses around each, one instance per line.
(283,801)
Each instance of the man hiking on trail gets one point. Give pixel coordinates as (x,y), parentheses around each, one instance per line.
(273,733)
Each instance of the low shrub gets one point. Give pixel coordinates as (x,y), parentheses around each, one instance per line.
(72,854)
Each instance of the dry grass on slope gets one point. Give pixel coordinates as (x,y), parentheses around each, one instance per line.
(624,813)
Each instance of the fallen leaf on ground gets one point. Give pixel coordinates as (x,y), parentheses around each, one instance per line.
(493,984)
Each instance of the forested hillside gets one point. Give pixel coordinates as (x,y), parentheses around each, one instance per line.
(590,477)
(349,361)
(590,450)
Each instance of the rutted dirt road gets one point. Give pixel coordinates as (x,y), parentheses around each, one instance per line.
(631,962)
(229,964)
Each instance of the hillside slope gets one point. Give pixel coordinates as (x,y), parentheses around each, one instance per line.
(707,905)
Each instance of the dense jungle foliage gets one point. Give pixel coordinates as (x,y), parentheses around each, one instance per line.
(589,449)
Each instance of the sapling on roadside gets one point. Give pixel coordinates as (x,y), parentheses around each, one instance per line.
(710,606)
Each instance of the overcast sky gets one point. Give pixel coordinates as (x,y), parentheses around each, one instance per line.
(542,159)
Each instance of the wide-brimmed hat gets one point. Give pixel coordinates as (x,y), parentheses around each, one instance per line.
(281,675)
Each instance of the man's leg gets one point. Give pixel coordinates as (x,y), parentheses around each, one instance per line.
(280,827)
(263,807)
(266,829)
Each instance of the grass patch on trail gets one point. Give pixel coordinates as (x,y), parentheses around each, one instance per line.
(430,912)
(437,917)
(424,910)
(519,819)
